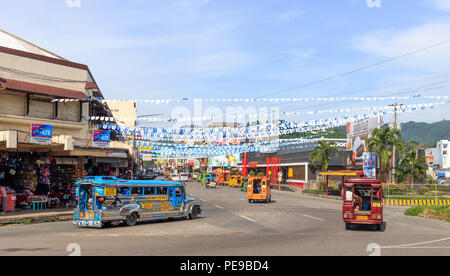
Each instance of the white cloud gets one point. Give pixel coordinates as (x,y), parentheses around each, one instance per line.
(393,43)
(289,15)
(443,5)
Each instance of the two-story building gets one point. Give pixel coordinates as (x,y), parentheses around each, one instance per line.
(41,88)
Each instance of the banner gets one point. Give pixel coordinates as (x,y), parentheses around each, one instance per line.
(41,134)
(370,165)
(101,139)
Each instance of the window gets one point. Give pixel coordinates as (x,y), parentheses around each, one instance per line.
(135,191)
(162,190)
(178,192)
(149,191)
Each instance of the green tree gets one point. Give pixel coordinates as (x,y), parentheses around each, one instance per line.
(382,142)
(320,157)
(412,168)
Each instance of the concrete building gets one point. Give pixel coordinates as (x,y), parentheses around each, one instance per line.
(31,78)
(124,111)
(441,154)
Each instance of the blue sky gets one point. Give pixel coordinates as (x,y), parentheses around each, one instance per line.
(245,48)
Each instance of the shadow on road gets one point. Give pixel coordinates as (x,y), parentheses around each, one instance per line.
(372,228)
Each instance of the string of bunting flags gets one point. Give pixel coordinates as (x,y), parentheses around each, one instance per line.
(250,100)
(251,132)
(255,116)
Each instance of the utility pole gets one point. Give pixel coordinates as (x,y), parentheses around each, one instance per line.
(396,105)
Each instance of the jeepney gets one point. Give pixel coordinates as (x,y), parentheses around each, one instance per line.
(235,181)
(259,189)
(363,203)
(103,200)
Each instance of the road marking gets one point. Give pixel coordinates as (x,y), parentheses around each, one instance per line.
(219,207)
(414,244)
(313,217)
(248,218)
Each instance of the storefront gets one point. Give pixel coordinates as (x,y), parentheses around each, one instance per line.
(33,177)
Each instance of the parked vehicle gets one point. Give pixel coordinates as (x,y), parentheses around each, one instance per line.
(184,177)
(363,202)
(259,189)
(175,177)
(224,178)
(235,181)
(104,200)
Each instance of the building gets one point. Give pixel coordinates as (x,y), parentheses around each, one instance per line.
(124,111)
(294,163)
(40,88)
(441,156)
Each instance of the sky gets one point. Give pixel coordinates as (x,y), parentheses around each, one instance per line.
(246,48)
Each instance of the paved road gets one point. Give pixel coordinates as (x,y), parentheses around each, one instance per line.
(291,225)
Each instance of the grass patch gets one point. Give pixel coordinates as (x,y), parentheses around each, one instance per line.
(430,211)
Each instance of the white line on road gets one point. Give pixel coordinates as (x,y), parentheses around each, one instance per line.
(413,244)
(247,218)
(313,217)
(217,206)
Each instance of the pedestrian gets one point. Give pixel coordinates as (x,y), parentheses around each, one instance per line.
(4,200)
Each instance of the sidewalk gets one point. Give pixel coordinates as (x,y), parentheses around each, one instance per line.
(28,217)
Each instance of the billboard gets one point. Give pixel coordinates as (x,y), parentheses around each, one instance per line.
(357,134)
(101,139)
(41,134)
(231,160)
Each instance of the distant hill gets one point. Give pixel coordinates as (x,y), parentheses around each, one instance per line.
(423,133)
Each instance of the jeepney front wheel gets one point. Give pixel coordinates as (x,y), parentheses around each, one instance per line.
(131,219)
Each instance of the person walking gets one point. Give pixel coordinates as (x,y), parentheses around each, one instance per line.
(4,200)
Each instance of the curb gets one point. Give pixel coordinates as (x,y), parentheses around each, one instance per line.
(397,202)
(36,218)
(417,202)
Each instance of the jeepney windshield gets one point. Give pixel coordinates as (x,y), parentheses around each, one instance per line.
(85,197)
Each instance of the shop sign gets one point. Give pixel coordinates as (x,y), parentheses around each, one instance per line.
(41,134)
(101,139)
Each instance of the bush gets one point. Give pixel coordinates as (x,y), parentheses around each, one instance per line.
(423,190)
(414,211)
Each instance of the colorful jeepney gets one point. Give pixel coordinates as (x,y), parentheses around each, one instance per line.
(103,200)
(235,181)
(259,189)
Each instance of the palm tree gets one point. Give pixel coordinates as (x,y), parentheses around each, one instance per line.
(320,157)
(412,167)
(382,143)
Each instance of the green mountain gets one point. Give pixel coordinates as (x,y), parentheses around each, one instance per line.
(425,133)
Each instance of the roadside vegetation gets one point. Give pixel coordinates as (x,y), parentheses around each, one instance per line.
(440,212)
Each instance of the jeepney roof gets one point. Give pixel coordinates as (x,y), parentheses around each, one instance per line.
(114,181)
(362,181)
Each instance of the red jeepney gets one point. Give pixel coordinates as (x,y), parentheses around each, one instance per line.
(363,202)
